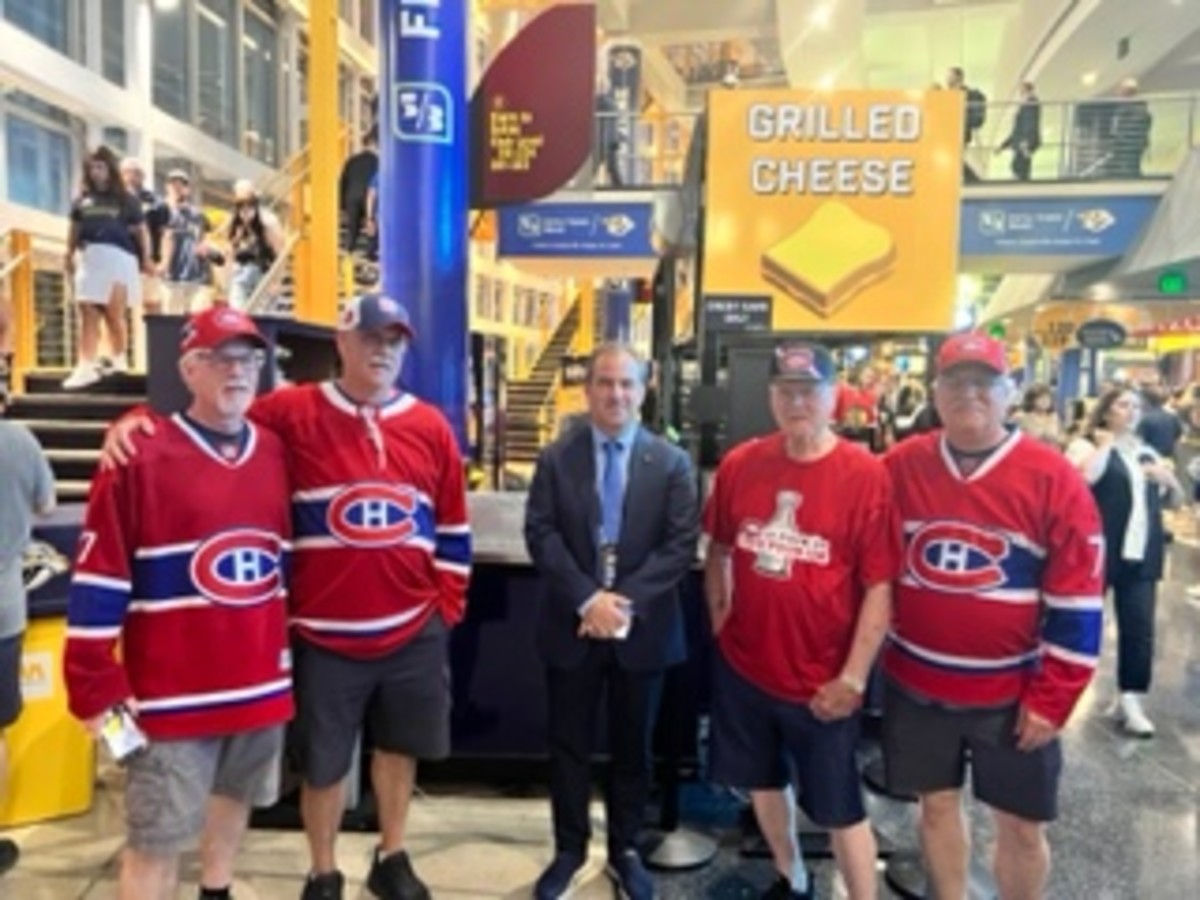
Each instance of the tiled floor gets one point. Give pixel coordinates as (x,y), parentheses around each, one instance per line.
(1130,826)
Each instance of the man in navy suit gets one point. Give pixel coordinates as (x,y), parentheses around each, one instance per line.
(611,524)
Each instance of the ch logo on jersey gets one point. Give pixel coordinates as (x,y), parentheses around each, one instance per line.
(238,568)
(956,557)
(373,515)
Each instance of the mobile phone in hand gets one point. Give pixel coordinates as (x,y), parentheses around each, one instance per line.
(122,736)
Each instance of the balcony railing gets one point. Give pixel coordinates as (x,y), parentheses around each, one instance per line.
(1107,139)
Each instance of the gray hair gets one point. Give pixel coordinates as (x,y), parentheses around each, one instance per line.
(615,348)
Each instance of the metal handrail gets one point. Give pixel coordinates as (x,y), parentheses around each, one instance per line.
(258,302)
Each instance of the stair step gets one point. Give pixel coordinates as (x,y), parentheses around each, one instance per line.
(45,381)
(72,490)
(63,435)
(73,465)
(87,407)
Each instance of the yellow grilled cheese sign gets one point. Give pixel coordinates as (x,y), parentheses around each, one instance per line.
(842,206)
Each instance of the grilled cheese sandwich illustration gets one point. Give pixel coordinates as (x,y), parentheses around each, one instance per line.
(830,259)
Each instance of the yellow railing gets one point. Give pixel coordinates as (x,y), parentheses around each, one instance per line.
(18,274)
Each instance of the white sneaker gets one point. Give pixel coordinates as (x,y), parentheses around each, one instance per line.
(83,375)
(1193,593)
(1133,717)
(119,364)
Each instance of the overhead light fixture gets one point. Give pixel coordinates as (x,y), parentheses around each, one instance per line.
(828,80)
(822,16)
(1090,78)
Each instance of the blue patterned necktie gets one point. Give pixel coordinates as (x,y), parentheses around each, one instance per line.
(611,493)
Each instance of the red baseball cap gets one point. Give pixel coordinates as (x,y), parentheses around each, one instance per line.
(973,348)
(211,328)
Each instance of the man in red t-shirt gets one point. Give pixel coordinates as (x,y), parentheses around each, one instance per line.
(803,546)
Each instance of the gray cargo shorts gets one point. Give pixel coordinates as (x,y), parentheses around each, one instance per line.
(167,792)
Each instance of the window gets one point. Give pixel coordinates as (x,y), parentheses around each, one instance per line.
(112,40)
(345,90)
(214,21)
(47,20)
(260,55)
(39,165)
(366,20)
(170,50)
(497,310)
(116,139)
(479,303)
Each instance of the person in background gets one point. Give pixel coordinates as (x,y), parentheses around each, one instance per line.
(157,216)
(1129,132)
(856,406)
(803,547)
(353,188)
(1160,428)
(974,117)
(26,490)
(911,402)
(1130,483)
(178,616)
(1026,135)
(371,226)
(108,236)
(996,624)
(1037,416)
(611,525)
(186,267)
(253,248)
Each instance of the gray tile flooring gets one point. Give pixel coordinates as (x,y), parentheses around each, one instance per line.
(1130,826)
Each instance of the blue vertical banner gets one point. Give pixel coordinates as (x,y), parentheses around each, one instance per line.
(618,309)
(625,90)
(423,185)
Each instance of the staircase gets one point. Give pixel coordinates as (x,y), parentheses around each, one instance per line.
(71,425)
(527,398)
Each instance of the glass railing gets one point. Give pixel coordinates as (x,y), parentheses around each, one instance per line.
(1105,139)
(1094,140)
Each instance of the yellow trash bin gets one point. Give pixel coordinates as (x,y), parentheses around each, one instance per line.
(51,758)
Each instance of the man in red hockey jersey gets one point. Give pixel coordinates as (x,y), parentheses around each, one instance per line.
(803,548)
(181,563)
(997,622)
(379,574)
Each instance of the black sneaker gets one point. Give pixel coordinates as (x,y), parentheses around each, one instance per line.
(9,854)
(392,878)
(324,887)
(781,889)
(555,883)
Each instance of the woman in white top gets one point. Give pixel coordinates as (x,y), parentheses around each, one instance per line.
(1130,483)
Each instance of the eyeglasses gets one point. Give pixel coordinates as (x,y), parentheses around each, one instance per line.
(234,359)
(964,383)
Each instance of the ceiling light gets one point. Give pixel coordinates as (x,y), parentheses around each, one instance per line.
(827,81)
(822,16)
(1090,78)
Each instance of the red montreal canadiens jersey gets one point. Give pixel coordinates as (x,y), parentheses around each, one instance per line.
(379,507)
(1000,599)
(807,538)
(181,564)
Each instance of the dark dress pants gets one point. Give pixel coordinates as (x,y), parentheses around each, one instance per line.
(1134,600)
(632,704)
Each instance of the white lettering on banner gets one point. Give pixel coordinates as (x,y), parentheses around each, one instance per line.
(844,177)
(37,675)
(817,123)
(414,20)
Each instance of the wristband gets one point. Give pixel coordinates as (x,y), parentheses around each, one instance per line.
(853,683)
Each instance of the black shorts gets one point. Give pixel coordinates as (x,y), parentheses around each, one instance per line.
(10,679)
(926,748)
(756,737)
(402,700)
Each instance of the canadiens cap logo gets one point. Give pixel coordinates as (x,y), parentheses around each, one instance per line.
(957,557)
(373,515)
(238,568)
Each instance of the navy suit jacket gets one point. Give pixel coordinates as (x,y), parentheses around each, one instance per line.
(655,550)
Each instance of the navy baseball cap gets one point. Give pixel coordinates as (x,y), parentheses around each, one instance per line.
(801,361)
(372,312)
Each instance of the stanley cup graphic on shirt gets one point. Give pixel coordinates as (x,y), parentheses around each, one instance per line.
(778,536)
